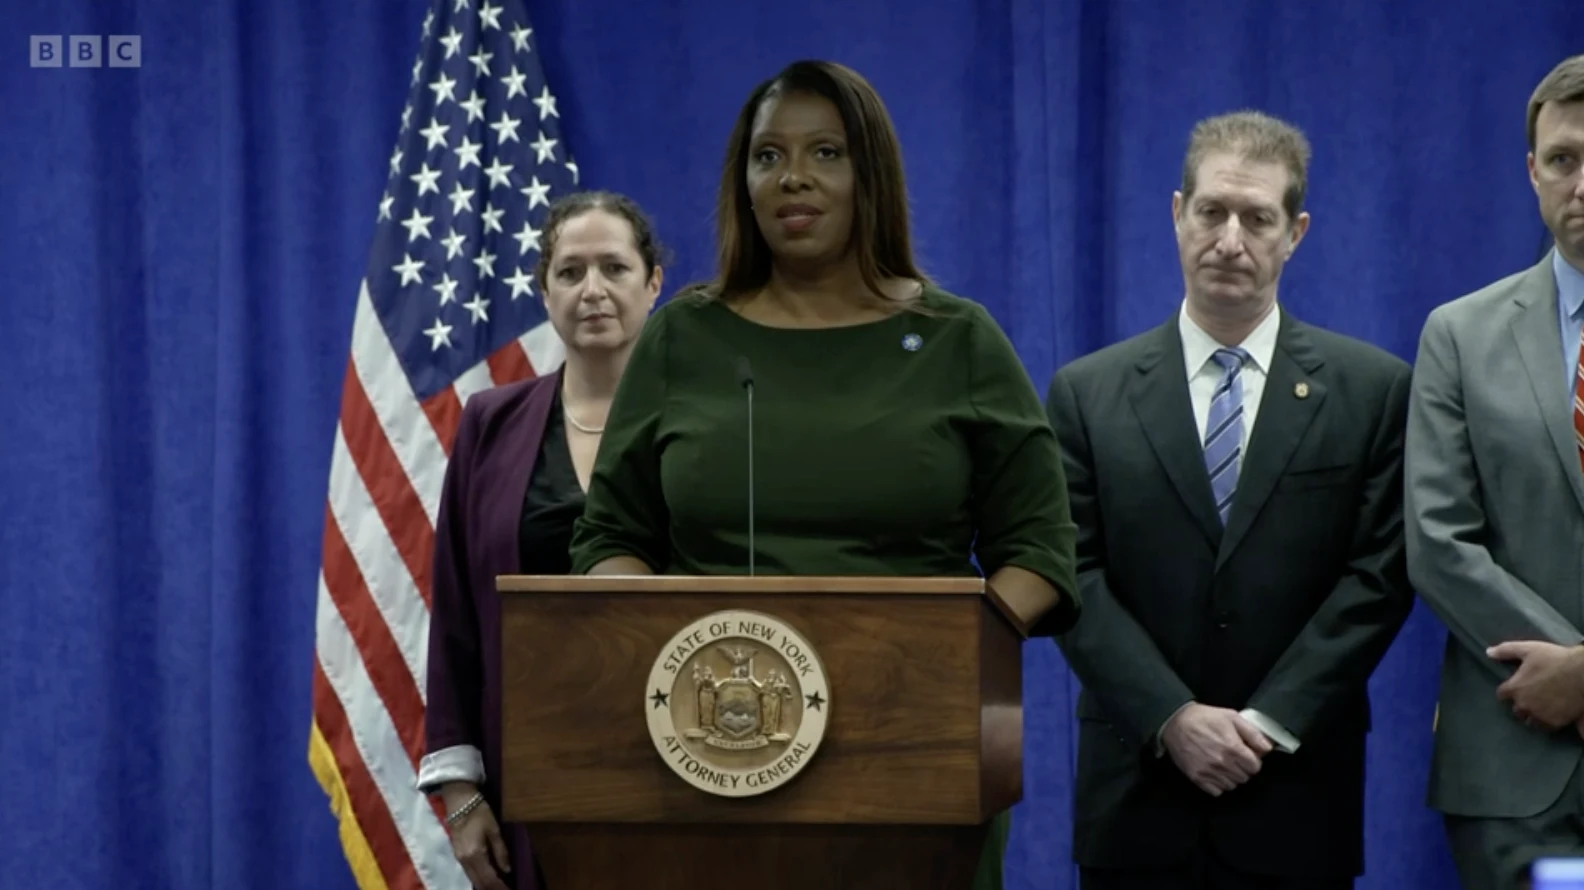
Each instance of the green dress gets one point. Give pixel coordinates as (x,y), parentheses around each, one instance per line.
(905,446)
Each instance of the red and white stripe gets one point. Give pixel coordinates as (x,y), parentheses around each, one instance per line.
(1578,402)
(387,469)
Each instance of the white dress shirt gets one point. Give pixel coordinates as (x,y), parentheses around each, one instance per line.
(1204,373)
(1203,376)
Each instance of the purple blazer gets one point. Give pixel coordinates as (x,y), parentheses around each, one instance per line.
(492,459)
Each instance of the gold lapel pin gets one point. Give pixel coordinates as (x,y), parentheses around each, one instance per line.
(1301,390)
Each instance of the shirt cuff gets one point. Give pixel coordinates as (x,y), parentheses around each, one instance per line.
(1285,741)
(459,763)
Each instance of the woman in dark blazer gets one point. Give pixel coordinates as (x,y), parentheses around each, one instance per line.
(513,487)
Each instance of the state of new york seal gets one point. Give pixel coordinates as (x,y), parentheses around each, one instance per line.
(737,703)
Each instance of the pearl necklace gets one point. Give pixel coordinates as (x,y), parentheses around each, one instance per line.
(593,431)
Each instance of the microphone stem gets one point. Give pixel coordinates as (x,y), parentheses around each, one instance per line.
(751,547)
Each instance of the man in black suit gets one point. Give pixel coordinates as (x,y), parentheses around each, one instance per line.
(1236,477)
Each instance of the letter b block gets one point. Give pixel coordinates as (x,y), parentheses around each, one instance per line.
(44,51)
(84,51)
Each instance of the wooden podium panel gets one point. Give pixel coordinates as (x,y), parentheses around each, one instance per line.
(751,857)
(922,745)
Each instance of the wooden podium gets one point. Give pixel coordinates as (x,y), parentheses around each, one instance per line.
(921,743)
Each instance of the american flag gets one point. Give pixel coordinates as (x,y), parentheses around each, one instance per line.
(447,307)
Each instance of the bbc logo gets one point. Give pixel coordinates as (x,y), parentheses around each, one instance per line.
(85,51)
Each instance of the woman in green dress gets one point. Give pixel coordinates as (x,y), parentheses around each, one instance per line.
(895,431)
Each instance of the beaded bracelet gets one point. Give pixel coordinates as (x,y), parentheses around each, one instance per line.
(462,811)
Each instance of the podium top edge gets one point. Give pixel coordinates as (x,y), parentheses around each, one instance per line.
(740,584)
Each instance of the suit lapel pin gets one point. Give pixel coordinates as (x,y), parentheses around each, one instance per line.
(1301,390)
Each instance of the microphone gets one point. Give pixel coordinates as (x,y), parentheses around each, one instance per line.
(746,381)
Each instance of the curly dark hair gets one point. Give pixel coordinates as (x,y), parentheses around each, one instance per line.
(576,204)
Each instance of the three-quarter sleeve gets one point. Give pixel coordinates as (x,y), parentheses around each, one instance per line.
(454,685)
(625,512)
(1019,487)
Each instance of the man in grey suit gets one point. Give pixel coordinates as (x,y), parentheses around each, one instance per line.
(1236,478)
(1494,499)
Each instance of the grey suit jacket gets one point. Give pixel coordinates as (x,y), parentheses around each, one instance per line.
(1494,502)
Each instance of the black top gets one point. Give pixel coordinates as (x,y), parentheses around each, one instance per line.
(553,502)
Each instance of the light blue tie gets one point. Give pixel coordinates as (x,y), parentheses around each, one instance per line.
(1223,445)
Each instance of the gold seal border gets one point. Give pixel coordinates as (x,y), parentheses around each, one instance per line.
(740,782)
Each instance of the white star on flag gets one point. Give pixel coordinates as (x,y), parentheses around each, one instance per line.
(515,83)
(467,152)
(505,129)
(417,225)
(474,106)
(461,199)
(527,239)
(521,283)
(537,193)
(546,103)
(481,60)
(446,288)
(498,174)
(489,16)
(439,334)
(519,36)
(476,306)
(491,217)
(427,179)
(443,90)
(544,146)
(409,269)
(435,133)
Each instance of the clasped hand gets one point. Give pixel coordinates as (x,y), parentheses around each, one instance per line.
(1547,689)
(1215,748)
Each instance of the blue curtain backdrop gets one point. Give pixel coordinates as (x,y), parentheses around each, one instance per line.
(181,245)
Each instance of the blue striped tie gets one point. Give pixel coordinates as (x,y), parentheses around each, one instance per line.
(1223,445)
